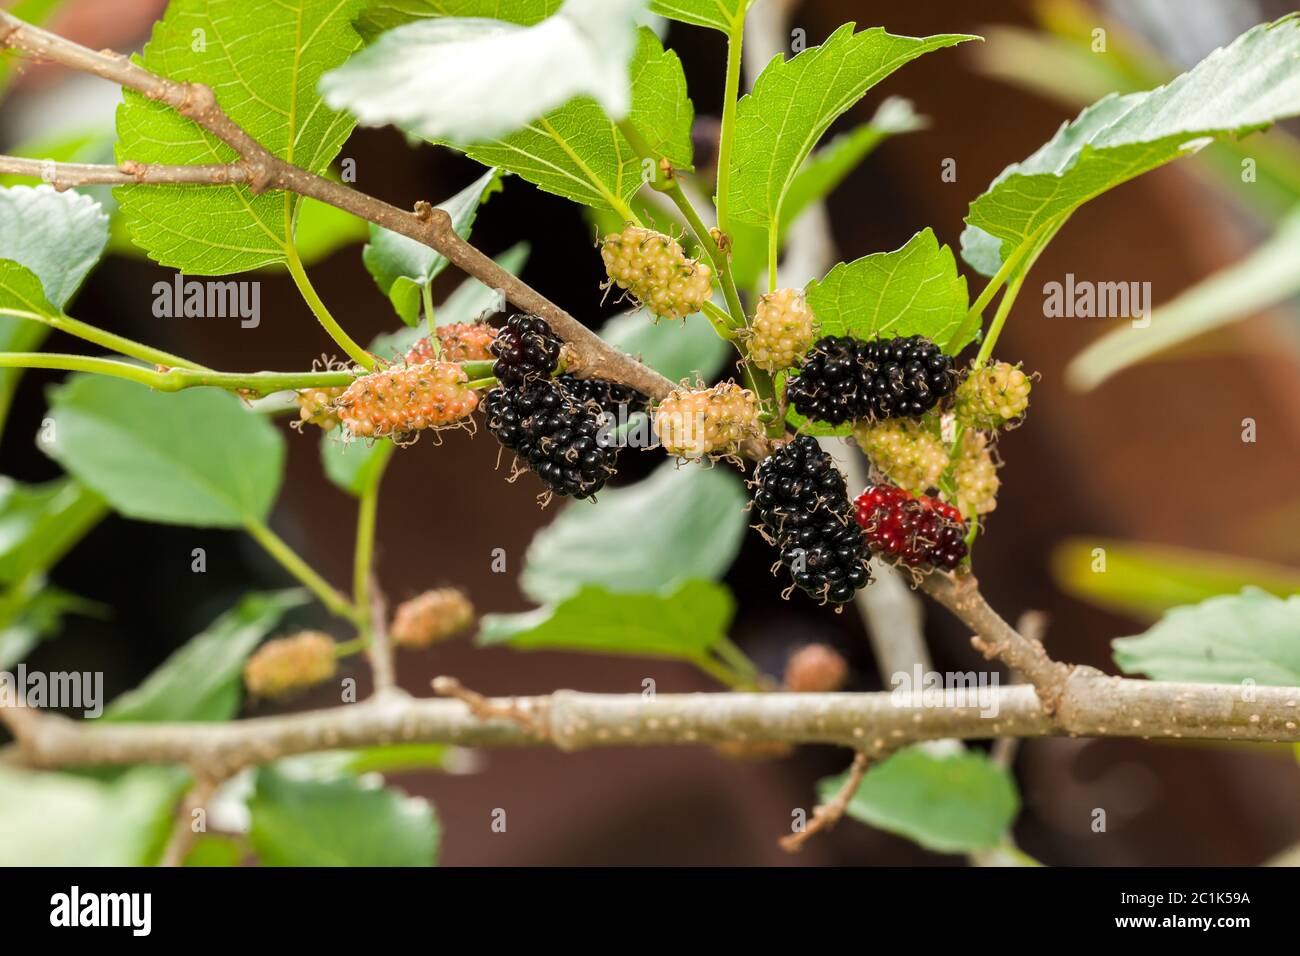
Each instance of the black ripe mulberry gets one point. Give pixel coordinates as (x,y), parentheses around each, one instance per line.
(526,349)
(610,396)
(846,379)
(915,530)
(805,510)
(553,435)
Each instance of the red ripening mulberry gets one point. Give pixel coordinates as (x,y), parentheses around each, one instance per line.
(816,669)
(400,401)
(915,530)
(459,342)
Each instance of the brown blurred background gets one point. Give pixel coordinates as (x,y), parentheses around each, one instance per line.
(1154,455)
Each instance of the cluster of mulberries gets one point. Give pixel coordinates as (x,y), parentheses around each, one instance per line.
(707,421)
(458,342)
(992,396)
(846,379)
(782,331)
(431,617)
(396,402)
(288,664)
(915,530)
(804,509)
(553,431)
(656,272)
(909,452)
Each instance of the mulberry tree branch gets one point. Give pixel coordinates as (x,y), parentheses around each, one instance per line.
(1091,705)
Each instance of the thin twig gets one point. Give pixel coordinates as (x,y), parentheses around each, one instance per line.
(826,815)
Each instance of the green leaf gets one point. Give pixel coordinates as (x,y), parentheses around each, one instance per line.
(1227,639)
(58,819)
(1243,87)
(202,680)
(952,803)
(823,171)
(58,236)
(39,523)
(1147,579)
(662,110)
(20,291)
(724,15)
(351,465)
(196,457)
(688,523)
(575,152)
(819,176)
(579,153)
(340,822)
(676,350)
(915,290)
(684,623)
(472,79)
(383,15)
(264,61)
(322,230)
(1265,278)
(403,268)
(794,103)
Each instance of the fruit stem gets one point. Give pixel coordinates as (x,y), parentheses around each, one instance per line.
(177,379)
(720,672)
(481,383)
(116,343)
(364,555)
(327,321)
(1000,319)
(288,559)
(720,319)
(348,648)
(738,660)
(730,96)
(718,259)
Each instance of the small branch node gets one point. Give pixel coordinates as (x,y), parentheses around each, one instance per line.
(485,709)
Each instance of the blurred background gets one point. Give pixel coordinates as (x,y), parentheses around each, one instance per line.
(1149,460)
